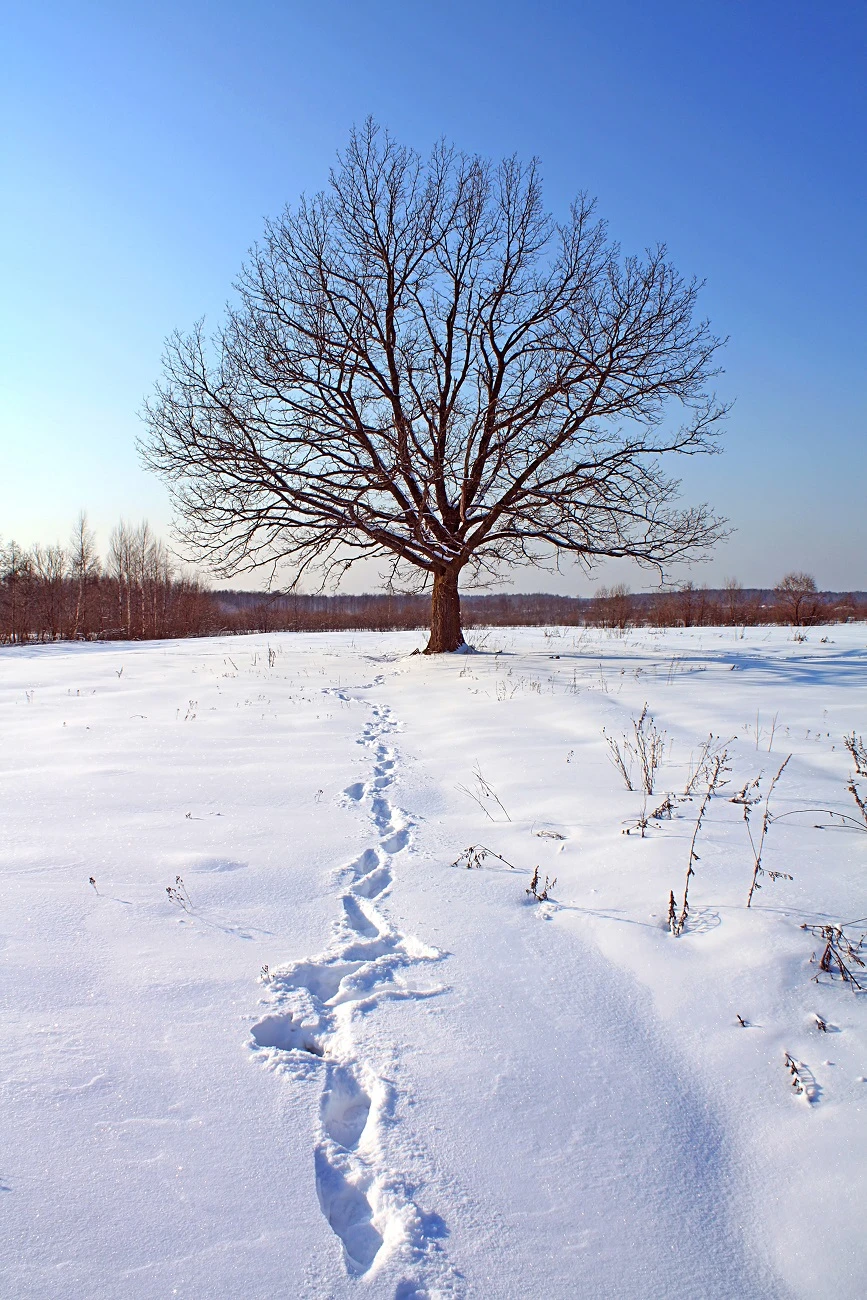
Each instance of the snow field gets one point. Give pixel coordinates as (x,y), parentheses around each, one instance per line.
(437,1087)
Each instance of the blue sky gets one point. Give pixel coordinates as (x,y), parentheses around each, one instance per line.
(144,145)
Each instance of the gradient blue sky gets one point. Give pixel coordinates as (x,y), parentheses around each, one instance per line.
(143,145)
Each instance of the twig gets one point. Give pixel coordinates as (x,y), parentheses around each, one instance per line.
(475,856)
(485,791)
(618,759)
(799,1083)
(695,773)
(773,729)
(827,812)
(758,869)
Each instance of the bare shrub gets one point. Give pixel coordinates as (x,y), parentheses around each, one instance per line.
(665,811)
(641,823)
(178,895)
(677,921)
(649,746)
(839,954)
(646,747)
(748,797)
(534,892)
(476,855)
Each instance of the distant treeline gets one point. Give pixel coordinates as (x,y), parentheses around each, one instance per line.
(136,593)
(53,593)
(686,606)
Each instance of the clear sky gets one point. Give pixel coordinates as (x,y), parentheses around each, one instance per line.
(143,145)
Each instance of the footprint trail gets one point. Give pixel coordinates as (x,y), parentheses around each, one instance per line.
(311,1027)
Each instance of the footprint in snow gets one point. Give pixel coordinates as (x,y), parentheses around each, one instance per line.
(315,1000)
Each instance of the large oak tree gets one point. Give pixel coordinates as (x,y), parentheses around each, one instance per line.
(422,364)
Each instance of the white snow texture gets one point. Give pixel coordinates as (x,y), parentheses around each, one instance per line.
(268,1035)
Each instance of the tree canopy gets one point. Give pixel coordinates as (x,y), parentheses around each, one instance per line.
(422,364)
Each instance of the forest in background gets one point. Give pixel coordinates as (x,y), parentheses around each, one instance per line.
(138,592)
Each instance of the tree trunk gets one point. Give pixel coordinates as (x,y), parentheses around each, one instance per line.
(445,616)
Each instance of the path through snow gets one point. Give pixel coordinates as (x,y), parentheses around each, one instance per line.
(315,1004)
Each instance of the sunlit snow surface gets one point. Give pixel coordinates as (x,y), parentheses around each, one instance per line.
(437,1087)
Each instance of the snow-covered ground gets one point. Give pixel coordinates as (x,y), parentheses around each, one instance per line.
(336,1063)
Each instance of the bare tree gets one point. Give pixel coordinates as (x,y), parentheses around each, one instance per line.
(139,564)
(798,598)
(49,573)
(423,365)
(733,601)
(84,568)
(612,606)
(120,567)
(16,582)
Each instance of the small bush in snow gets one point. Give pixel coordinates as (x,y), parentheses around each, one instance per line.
(649,745)
(646,746)
(475,855)
(666,809)
(534,892)
(839,955)
(642,822)
(178,895)
(677,920)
